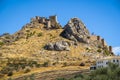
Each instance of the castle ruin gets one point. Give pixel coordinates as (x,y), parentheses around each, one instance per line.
(50,22)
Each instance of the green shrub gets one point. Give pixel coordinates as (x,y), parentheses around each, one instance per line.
(112,72)
(5,70)
(45,64)
(54,63)
(78,75)
(38,65)
(64,64)
(27,70)
(82,64)
(1,43)
(87,48)
(7,37)
(40,34)
(27,30)
(106,52)
(30,34)
(109,73)
(99,50)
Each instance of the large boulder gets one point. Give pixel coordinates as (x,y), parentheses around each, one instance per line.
(58,46)
(75,30)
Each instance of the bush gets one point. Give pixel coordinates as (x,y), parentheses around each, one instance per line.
(82,64)
(99,50)
(27,30)
(64,64)
(45,64)
(112,72)
(10,73)
(7,37)
(27,70)
(87,48)
(78,75)
(1,43)
(38,65)
(39,34)
(30,34)
(106,52)
(54,63)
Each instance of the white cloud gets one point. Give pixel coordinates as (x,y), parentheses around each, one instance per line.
(116,50)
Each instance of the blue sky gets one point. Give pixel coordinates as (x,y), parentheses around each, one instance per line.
(100,16)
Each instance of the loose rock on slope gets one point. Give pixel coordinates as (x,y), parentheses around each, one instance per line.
(58,46)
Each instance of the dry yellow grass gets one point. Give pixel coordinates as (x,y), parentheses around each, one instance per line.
(45,69)
(34,45)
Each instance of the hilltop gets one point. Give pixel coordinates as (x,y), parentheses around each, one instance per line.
(44,42)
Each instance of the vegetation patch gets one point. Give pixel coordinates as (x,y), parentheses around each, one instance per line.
(40,34)
(112,72)
(1,43)
(27,70)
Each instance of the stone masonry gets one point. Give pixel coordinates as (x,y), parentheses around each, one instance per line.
(49,23)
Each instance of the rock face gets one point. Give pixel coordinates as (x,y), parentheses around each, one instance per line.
(58,46)
(75,30)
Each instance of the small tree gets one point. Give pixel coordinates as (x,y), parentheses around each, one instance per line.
(82,64)
(40,34)
(45,64)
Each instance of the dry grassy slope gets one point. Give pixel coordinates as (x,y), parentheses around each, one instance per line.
(33,47)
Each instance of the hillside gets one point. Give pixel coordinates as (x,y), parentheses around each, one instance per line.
(44,42)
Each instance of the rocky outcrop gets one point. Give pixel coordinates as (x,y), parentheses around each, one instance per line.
(58,46)
(75,30)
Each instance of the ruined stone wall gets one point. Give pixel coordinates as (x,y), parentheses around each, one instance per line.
(48,24)
(53,20)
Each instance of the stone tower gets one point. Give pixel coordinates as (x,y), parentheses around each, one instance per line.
(110,48)
(53,20)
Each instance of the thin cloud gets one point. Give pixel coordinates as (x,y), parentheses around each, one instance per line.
(116,50)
